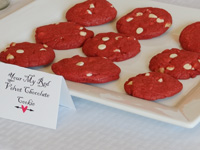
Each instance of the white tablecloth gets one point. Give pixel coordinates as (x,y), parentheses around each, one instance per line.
(97,127)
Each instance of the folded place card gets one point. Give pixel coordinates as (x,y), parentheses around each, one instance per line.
(32,96)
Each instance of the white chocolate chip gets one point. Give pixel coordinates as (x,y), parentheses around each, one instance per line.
(199,60)
(117,38)
(147,74)
(167,25)
(173,55)
(148,10)
(187,66)
(9,56)
(82,33)
(92,6)
(170,68)
(160,80)
(42,49)
(89,12)
(152,16)
(89,74)
(129,19)
(81,28)
(139,30)
(162,70)
(80,63)
(105,38)
(20,51)
(139,14)
(45,45)
(117,50)
(101,46)
(158,20)
(130,83)
(13,44)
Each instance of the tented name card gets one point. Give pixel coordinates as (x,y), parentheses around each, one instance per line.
(32,96)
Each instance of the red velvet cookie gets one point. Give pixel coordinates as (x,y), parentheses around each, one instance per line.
(152,86)
(91,13)
(190,37)
(87,69)
(114,46)
(180,64)
(62,36)
(27,54)
(145,23)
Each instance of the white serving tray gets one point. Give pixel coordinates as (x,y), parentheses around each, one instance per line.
(181,109)
(13,6)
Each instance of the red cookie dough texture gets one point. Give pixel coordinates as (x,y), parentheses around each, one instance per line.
(152,86)
(179,64)
(87,69)
(190,37)
(92,13)
(63,36)
(27,54)
(113,46)
(145,23)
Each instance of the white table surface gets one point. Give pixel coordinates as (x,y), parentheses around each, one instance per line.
(97,127)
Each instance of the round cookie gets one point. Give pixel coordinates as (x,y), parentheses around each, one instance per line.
(27,54)
(145,23)
(189,37)
(180,64)
(87,69)
(113,46)
(152,86)
(91,13)
(62,36)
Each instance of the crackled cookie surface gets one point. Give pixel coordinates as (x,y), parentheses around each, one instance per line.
(91,12)
(87,69)
(62,36)
(27,54)
(145,23)
(152,86)
(113,46)
(180,64)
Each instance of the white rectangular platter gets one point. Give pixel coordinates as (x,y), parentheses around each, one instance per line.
(181,109)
